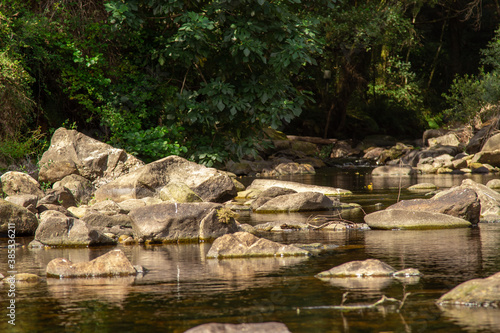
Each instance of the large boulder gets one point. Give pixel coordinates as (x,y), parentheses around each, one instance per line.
(491,157)
(493,143)
(17,218)
(17,183)
(458,202)
(112,263)
(244,244)
(173,222)
(273,327)
(476,292)
(72,152)
(488,198)
(480,137)
(268,194)
(57,229)
(410,219)
(208,183)
(297,202)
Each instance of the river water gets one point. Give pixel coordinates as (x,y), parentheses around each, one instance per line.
(183,289)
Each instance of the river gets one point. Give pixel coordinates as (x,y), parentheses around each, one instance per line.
(183,289)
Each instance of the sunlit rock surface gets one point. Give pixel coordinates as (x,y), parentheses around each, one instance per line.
(112,263)
(244,244)
(409,219)
(476,292)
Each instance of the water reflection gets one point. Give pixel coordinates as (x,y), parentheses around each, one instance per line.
(110,290)
(177,265)
(456,253)
(474,319)
(183,289)
(362,284)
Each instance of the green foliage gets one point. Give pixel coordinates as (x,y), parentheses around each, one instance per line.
(202,78)
(473,96)
(154,143)
(226,215)
(22,147)
(15,92)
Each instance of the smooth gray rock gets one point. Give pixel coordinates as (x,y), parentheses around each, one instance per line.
(476,292)
(369,267)
(112,263)
(409,219)
(488,198)
(263,184)
(244,244)
(172,222)
(458,202)
(297,202)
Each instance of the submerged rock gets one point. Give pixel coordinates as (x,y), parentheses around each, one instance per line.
(244,244)
(268,327)
(370,274)
(110,264)
(411,219)
(369,267)
(476,292)
(22,278)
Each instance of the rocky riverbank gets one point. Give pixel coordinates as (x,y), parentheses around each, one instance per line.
(88,193)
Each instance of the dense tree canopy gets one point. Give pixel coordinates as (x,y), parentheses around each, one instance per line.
(202,78)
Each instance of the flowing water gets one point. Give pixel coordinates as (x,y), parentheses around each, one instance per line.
(183,289)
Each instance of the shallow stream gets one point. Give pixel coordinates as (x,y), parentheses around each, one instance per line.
(183,289)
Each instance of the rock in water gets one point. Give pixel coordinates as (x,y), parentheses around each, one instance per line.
(244,244)
(110,264)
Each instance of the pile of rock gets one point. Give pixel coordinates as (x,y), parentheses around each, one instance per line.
(94,194)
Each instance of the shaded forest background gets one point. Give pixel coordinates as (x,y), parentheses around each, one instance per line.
(200,79)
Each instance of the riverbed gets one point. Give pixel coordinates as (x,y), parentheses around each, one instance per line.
(183,289)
